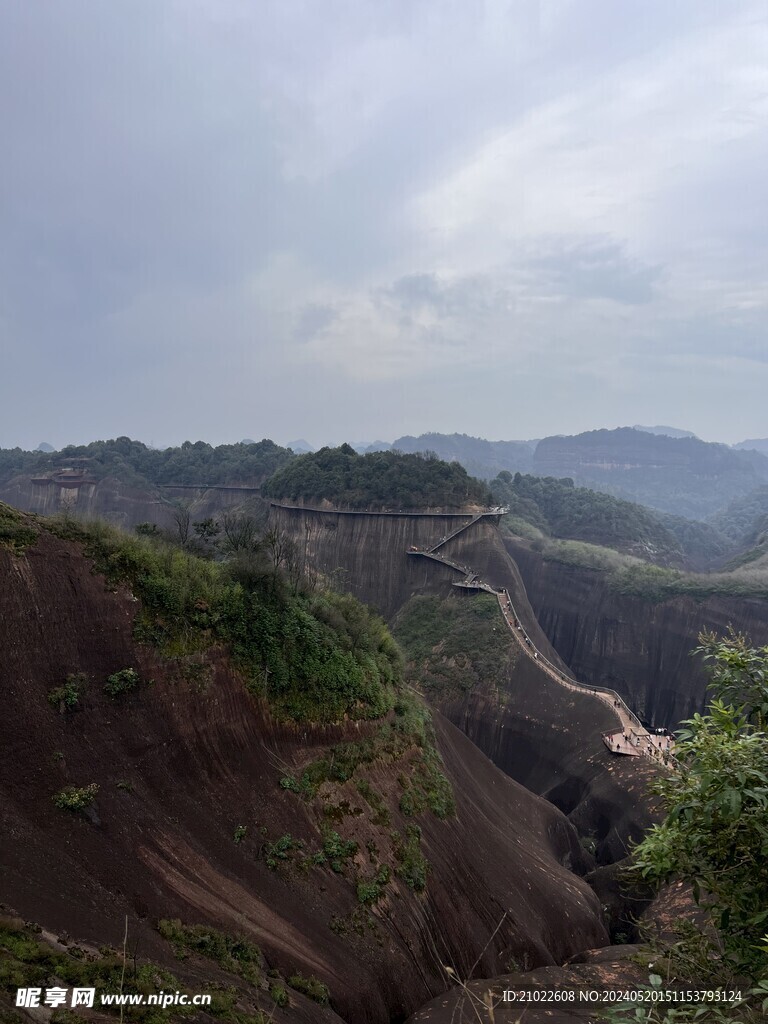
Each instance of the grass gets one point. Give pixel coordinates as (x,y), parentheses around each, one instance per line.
(315,656)
(234,954)
(311,987)
(408,740)
(16,533)
(633,577)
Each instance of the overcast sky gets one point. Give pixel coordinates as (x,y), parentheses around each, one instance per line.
(356,219)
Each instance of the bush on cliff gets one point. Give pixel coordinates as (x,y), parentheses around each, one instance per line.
(715,835)
(316,656)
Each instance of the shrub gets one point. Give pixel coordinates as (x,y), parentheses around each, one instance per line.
(413,865)
(337,850)
(76,799)
(279,994)
(240,833)
(280,850)
(66,697)
(311,987)
(121,682)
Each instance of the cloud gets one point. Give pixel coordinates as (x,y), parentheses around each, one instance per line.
(251,197)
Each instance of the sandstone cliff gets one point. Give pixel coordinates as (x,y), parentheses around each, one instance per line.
(638,647)
(542,735)
(189,757)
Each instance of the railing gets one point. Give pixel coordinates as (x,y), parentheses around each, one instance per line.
(460,529)
(558,672)
(473,582)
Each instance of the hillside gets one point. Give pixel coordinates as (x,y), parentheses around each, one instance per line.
(481,458)
(128,483)
(134,463)
(313,850)
(682,476)
(559,509)
(377,480)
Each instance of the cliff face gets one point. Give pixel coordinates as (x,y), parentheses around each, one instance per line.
(118,502)
(639,648)
(539,733)
(189,756)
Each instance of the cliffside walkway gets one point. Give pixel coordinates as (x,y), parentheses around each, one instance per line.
(471,579)
(399,512)
(631,738)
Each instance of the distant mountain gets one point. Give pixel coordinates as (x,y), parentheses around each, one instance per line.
(374,446)
(481,458)
(45,447)
(683,476)
(300,447)
(665,431)
(758,444)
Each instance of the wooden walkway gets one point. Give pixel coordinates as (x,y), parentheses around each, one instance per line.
(630,738)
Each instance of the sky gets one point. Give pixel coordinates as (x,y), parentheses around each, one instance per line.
(358,219)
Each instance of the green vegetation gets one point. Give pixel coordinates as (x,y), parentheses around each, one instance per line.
(558,509)
(278,994)
(279,851)
(316,656)
(745,517)
(122,682)
(15,531)
(453,644)
(76,799)
(407,740)
(412,865)
(336,850)
(389,480)
(311,987)
(375,801)
(26,960)
(67,696)
(683,476)
(235,954)
(240,834)
(134,463)
(370,892)
(715,835)
(637,578)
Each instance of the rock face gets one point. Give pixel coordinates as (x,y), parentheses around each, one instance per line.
(190,756)
(116,501)
(637,647)
(539,733)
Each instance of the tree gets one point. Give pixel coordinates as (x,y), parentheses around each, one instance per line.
(182,517)
(715,835)
(207,529)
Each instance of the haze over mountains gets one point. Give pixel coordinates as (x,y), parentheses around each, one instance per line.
(662,467)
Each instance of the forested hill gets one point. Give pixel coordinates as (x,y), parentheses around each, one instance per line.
(683,476)
(561,510)
(379,480)
(134,463)
(480,458)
